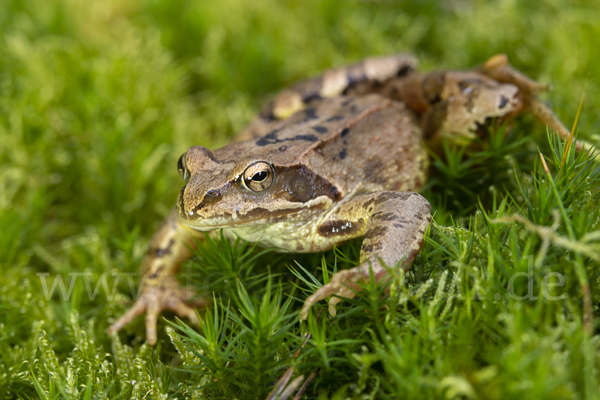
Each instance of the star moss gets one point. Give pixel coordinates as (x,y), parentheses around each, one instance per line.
(99,98)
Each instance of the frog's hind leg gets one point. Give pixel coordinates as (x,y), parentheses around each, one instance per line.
(499,69)
(358,78)
(459,103)
(546,116)
(364,77)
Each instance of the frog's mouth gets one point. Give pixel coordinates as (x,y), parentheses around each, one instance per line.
(205,218)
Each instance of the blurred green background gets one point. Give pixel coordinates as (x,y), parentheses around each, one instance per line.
(98,98)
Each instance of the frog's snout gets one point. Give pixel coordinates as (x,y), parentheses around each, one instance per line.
(189,205)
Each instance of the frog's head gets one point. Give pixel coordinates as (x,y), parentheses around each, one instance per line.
(221,192)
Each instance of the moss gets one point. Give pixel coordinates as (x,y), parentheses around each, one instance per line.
(99,98)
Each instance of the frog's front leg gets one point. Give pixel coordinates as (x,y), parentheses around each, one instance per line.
(170,246)
(393,224)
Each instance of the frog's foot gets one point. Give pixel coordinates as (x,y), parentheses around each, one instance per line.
(463,102)
(498,68)
(546,116)
(344,284)
(153,300)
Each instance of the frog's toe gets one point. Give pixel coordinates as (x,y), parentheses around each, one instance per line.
(152,313)
(169,300)
(343,285)
(343,292)
(321,293)
(138,308)
(183,310)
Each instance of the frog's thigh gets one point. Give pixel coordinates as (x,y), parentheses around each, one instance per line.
(458,116)
(360,77)
(394,227)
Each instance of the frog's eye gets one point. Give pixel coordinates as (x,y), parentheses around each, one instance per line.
(182,168)
(259,176)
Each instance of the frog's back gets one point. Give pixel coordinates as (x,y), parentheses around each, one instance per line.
(361,144)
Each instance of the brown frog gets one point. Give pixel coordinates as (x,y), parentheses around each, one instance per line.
(335,157)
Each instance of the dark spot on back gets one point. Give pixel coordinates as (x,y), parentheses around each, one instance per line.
(307,138)
(335,118)
(405,70)
(355,73)
(343,154)
(306,97)
(267,112)
(344,132)
(272,138)
(269,138)
(310,113)
(309,89)
(320,129)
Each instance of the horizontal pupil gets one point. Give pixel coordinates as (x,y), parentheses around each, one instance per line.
(259,176)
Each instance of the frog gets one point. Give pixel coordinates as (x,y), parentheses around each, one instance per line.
(339,156)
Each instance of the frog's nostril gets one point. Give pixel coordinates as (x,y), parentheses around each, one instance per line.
(212,196)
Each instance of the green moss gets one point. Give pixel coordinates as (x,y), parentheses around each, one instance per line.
(99,98)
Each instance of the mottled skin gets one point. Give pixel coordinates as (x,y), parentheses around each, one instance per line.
(333,158)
